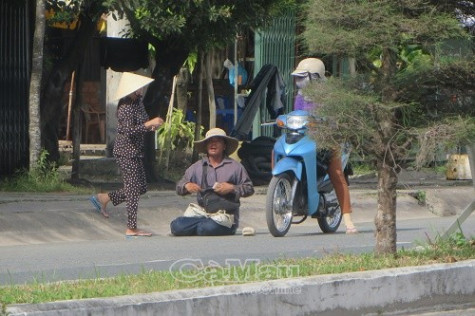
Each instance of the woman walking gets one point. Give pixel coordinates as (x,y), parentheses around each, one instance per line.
(133,123)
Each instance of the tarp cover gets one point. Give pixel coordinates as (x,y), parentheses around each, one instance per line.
(268,82)
(123,54)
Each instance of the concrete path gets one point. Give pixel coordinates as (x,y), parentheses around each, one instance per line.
(27,218)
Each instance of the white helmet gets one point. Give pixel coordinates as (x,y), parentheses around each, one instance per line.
(310,66)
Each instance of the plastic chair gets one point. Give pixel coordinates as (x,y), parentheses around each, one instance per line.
(94,118)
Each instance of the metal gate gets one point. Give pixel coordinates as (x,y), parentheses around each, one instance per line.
(275,45)
(15,40)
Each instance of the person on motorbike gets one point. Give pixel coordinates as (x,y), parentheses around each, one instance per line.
(313,69)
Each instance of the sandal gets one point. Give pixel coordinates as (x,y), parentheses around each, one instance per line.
(95,202)
(138,233)
(248,231)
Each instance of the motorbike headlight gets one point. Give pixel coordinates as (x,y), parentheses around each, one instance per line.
(297,122)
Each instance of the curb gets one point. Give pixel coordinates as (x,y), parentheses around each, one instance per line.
(398,290)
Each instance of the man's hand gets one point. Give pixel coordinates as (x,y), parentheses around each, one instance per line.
(223,188)
(192,187)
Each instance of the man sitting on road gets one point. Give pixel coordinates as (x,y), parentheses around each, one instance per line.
(214,177)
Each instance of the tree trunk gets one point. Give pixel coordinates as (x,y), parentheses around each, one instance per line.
(51,106)
(169,59)
(385,220)
(76,144)
(210,89)
(77,126)
(182,81)
(199,114)
(35,85)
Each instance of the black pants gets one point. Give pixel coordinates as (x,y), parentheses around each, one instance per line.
(135,184)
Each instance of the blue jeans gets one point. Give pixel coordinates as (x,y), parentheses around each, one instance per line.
(199,226)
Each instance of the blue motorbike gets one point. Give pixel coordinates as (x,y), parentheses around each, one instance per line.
(300,186)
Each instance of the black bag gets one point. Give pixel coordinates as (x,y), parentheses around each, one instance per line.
(214,202)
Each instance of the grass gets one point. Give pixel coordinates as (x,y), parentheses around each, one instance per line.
(38,181)
(45,177)
(362,169)
(455,248)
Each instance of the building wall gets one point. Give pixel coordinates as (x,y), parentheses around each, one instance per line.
(15,52)
(276,45)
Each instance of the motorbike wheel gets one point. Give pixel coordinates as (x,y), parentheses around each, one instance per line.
(330,221)
(278,210)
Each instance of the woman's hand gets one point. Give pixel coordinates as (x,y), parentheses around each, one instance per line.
(154,123)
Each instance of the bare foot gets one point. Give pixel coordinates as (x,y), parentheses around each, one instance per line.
(351,230)
(136,232)
(103,198)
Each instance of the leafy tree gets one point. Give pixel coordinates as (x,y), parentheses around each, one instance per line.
(87,13)
(410,91)
(175,29)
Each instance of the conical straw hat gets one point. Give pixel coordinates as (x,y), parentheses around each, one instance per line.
(130,82)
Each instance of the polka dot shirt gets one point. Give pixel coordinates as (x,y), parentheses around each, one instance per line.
(129,141)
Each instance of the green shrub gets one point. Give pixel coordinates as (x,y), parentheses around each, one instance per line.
(42,178)
(178,134)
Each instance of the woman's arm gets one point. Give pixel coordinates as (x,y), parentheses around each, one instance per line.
(128,121)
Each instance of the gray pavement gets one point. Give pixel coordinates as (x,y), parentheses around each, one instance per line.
(38,220)
(27,218)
